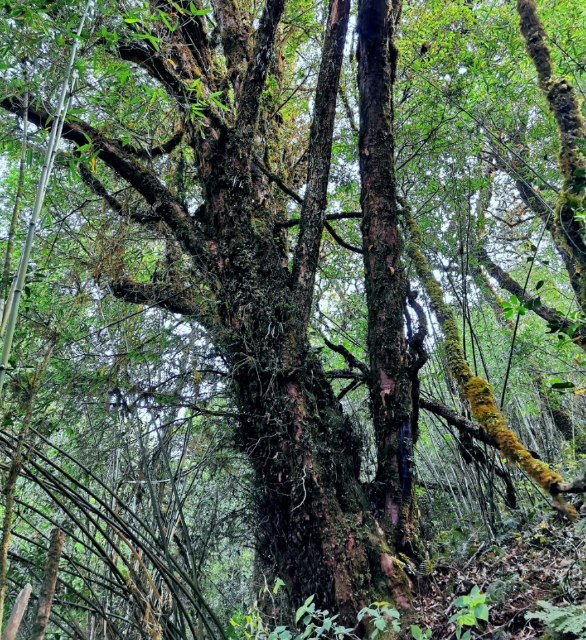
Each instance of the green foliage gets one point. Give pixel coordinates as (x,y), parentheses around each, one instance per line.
(565,623)
(472,610)
(418,634)
(315,623)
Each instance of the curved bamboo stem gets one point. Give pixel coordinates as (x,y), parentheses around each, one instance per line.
(62,106)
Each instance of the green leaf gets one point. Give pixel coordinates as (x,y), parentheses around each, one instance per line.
(468,620)
(462,601)
(380,624)
(563,385)
(481,612)
(416,632)
(278,584)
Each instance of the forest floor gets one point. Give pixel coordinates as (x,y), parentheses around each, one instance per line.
(546,561)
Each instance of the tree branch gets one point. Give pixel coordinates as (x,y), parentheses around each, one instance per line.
(293,222)
(460,422)
(279,182)
(175,75)
(164,205)
(506,282)
(235,35)
(313,209)
(165,148)
(175,299)
(341,240)
(564,103)
(193,29)
(351,359)
(256,72)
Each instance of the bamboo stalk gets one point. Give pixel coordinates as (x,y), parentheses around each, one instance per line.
(15,214)
(62,106)
(17,459)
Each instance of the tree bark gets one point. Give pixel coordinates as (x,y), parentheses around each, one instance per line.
(48,587)
(386,281)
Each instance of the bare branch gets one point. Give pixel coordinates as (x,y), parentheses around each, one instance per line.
(341,240)
(506,282)
(293,222)
(351,359)
(460,422)
(279,182)
(172,298)
(165,148)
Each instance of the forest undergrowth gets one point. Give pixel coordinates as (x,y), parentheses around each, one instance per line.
(542,561)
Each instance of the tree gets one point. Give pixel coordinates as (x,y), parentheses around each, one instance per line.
(212,167)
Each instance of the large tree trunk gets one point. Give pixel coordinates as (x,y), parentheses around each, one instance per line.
(323,531)
(319,531)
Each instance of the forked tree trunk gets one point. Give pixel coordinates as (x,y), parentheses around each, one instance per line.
(324,531)
(321,532)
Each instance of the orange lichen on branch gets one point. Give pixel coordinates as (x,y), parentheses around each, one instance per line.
(476,390)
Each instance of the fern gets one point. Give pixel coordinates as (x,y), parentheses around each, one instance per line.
(568,623)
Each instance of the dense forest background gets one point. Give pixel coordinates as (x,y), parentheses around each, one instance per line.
(283,248)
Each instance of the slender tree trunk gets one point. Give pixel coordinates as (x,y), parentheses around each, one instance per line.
(386,281)
(48,588)
(564,102)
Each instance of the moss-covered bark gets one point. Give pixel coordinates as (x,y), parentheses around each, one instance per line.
(562,98)
(476,390)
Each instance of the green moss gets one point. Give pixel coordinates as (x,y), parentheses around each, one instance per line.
(565,105)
